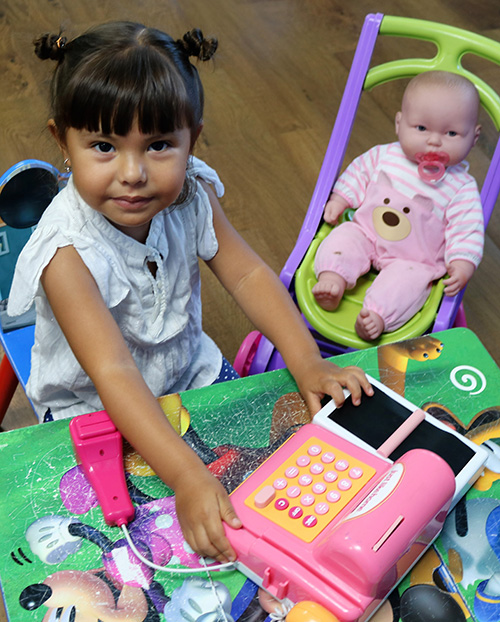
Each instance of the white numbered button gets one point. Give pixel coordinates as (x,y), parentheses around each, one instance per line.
(319,488)
(341,465)
(333,496)
(305,480)
(314,450)
(356,473)
(330,476)
(344,484)
(316,468)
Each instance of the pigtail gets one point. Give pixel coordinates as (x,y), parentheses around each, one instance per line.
(50,46)
(195,44)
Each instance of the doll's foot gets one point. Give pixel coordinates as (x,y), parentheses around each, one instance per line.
(329,290)
(369,325)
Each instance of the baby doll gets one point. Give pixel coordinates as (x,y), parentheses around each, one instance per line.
(418,213)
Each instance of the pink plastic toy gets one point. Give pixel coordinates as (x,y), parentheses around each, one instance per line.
(325,520)
(98,448)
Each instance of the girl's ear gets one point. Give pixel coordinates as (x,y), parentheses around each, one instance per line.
(195,135)
(55,133)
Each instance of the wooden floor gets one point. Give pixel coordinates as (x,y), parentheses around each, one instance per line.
(272,94)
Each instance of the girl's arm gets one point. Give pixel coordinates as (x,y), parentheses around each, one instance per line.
(99,347)
(267,304)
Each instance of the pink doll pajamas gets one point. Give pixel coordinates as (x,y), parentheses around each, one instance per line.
(401,238)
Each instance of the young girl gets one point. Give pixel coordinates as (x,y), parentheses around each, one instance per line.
(113,263)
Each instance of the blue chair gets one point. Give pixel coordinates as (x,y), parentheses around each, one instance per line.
(26,189)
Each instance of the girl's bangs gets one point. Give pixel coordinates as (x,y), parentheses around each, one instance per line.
(112,99)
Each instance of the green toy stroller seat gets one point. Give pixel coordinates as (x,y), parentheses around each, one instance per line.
(338,325)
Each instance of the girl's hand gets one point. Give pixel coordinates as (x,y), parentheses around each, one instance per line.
(202,504)
(322,377)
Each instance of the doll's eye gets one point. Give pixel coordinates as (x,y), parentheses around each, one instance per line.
(406,210)
(421,128)
(452,133)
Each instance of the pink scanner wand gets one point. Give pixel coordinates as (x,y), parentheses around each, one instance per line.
(98,448)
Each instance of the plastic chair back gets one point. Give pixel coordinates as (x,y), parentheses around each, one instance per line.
(26,189)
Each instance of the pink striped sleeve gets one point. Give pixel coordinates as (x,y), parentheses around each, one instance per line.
(353,182)
(465,226)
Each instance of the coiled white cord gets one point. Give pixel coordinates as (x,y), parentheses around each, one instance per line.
(151,564)
(204,569)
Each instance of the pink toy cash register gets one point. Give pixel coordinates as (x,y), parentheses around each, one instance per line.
(339,515)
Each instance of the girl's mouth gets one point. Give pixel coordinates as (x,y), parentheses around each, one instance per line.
(132,202)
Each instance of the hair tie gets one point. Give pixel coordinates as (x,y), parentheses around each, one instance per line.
(50,46)
(195,44)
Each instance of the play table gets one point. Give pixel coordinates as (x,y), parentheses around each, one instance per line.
(59,560)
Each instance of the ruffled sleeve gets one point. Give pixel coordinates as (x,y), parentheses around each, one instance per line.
(198,168)
(61,226)
(32,261)
(197,217)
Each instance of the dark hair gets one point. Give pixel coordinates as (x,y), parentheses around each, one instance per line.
(120,71)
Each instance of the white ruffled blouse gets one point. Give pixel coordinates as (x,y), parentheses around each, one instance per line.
(159,316)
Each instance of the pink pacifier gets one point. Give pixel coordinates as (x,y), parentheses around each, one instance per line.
(432,165)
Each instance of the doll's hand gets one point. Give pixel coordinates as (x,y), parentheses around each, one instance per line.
(322,377)
(202,504)
(460,272)
(334,208)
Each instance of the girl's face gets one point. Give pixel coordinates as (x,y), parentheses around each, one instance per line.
(129,179)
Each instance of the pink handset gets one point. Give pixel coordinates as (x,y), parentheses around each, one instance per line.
(98,447)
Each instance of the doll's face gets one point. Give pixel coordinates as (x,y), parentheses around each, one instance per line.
(436,118)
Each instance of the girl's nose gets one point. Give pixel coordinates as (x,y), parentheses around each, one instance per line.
(132,170)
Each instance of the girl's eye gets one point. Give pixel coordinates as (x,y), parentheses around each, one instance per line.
(103,147)
(159,145)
